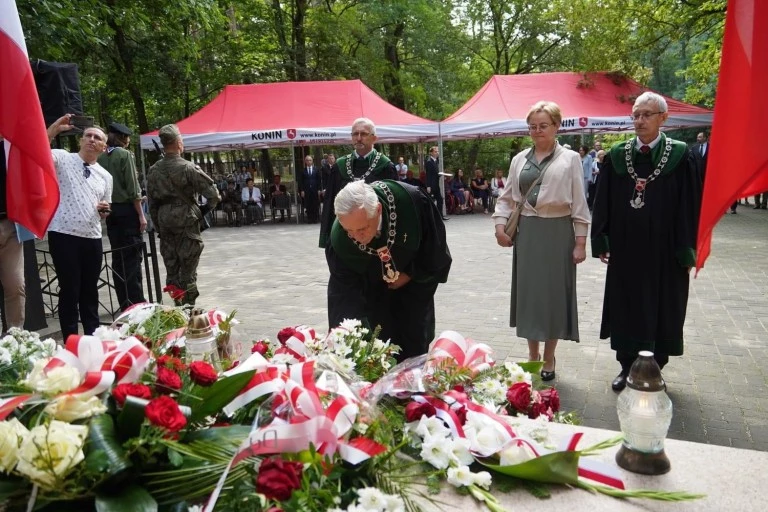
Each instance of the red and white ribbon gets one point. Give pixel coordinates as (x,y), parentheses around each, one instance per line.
(466,352)
(295,345)
(8,405)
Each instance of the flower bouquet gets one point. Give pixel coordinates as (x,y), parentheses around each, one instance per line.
(130,419)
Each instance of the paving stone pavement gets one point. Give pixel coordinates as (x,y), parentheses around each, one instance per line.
(274,275)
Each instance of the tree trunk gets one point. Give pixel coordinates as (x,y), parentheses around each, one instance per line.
(124,63)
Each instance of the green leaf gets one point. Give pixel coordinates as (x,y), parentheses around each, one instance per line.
(102,439)
(131,417)
(554,468)
(175,458)
(132,499)
(215,397)
(96,461)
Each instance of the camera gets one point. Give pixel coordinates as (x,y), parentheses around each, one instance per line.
(81,122)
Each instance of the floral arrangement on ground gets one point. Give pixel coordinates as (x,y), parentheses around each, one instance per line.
(139,417)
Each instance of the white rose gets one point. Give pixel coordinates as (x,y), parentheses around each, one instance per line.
(70,408)
(12,434)
(51,451)
(58,380)
(487,441)
(105,333)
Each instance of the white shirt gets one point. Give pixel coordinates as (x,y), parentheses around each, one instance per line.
(79,196)
(246,195)
(652,144)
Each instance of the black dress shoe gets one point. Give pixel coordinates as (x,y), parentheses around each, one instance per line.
(446,218)
(620,382)
(549,375)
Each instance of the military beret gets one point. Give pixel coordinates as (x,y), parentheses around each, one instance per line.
(120,128)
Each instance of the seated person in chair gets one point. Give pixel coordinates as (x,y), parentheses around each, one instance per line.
(252,203)
(480,188)
(230,203)
(498,183)
(409,179)
(279,199)
(460,192)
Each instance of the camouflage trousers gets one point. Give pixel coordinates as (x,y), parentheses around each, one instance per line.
(181,254)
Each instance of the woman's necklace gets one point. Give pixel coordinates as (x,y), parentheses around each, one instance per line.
(368,172)
(389,272)
(637,200)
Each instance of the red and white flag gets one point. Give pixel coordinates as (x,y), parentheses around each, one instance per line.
(32,190)
(738,162)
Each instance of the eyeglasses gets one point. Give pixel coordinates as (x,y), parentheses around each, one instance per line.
(643,115)
(86,171)
(361,134)
(539,127)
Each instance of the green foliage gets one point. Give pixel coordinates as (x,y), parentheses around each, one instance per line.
(146,63)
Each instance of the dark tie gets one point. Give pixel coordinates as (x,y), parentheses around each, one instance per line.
(645,149)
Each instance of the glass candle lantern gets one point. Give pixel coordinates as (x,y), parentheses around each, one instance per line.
(201,340)
(645,413)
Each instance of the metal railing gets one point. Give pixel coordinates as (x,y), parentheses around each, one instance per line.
(109,306)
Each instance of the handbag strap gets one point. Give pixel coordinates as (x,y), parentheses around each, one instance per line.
(544,168)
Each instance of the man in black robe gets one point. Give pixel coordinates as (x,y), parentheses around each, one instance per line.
(387,254)
(644,226)
(364,163)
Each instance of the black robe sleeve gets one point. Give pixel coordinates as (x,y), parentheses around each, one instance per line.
(601,210)
(346,291)
(687,221)
(433,259)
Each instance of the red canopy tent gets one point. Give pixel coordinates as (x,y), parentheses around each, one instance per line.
(294,113)
(590,102)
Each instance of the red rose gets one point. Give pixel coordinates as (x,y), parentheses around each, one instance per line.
(122,391)
(519,396)
(174,363)
(176,351)
(260,347)
(167,380)
(415,410)
(278,478)
(164,412)
(551,398)
(459,388)
(202,373)
(285,334)
(540,409)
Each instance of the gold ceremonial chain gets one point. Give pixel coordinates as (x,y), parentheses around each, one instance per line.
(389,272)
(368,172)
(637,201)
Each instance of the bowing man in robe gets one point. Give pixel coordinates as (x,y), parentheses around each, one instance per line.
(644,225)
(386,254)
(364,163)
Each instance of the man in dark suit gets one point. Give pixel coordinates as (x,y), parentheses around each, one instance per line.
(701,151)
(433,178)
(310,190)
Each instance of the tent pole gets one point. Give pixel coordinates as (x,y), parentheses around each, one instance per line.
(441,182)
(295,180)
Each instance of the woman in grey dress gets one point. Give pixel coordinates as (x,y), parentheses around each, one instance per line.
(551,237)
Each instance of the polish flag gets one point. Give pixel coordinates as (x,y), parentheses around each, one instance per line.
(738,162)
(32,191)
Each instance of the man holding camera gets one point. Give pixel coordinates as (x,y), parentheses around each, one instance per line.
(126,223)
(74,235)
(172,185)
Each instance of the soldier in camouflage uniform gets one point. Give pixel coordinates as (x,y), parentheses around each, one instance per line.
(172,186)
